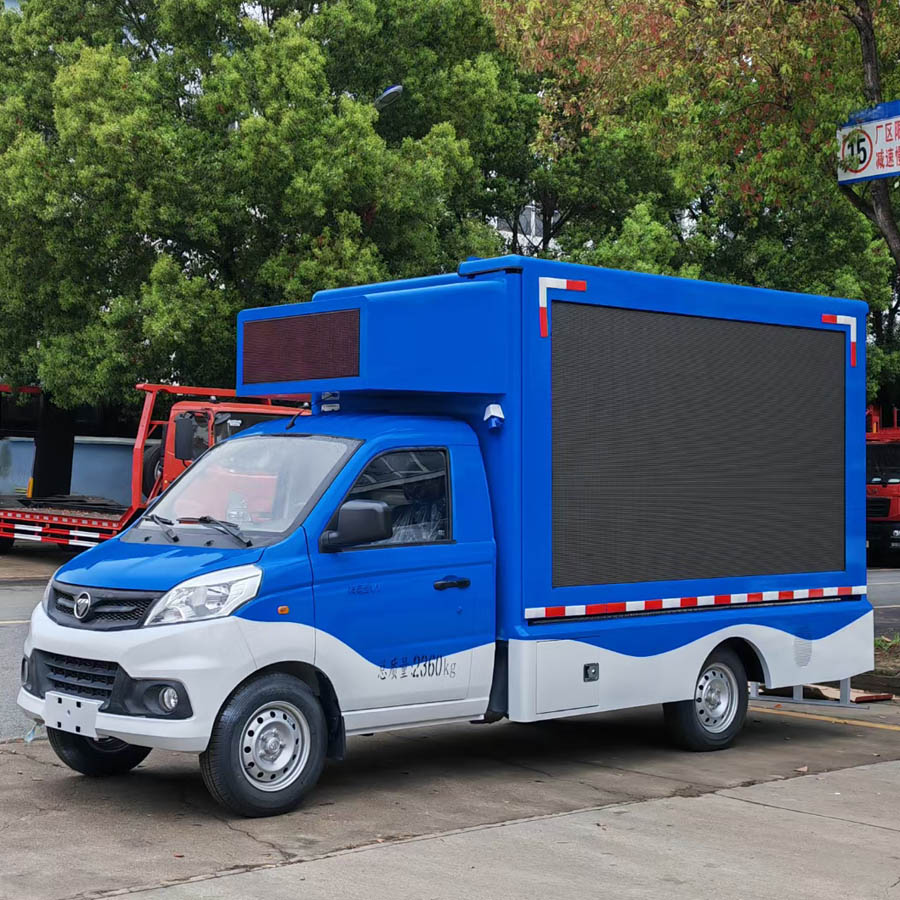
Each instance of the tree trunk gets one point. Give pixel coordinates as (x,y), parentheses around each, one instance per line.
(879,211)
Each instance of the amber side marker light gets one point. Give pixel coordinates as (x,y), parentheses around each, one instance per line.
(283,610)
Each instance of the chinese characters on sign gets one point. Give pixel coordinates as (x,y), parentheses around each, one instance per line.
(869,144)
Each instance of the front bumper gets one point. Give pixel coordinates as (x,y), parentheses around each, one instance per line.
(208,658)
(880,536)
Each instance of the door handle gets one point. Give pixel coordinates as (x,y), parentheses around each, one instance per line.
(451,581)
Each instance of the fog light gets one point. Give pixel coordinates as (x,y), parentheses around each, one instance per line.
(895,532)
(168,699)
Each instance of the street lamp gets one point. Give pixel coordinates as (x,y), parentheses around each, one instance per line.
(388,96)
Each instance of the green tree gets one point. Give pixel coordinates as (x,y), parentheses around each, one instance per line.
(445,54)
(744,99)
(163,165)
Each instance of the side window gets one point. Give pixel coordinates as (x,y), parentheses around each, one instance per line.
(201,433)
(414,484)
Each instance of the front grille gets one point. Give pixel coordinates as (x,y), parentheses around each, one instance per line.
(103,681)
(92,678)
(878,507)
(109,610)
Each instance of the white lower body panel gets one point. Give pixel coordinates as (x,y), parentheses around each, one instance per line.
(208,658)
(547,677)
(375,697)
(211,658)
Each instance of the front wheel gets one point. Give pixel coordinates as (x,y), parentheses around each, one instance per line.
(267,747)
(712,719)
(103,756)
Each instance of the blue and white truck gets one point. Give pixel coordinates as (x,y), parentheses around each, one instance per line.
(515,498)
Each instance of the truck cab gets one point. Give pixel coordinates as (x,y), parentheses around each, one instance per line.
(167,442)
(202,424)
(882,485)
(429,547)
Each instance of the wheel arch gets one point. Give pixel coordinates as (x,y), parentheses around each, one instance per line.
(750,655)
(320,684)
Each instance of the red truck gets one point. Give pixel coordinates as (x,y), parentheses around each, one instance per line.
(163,449)
(882,484)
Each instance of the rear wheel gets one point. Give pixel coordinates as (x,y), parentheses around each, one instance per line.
(152,468)
(103,756)
(6,544)
(267,748)
(712,718)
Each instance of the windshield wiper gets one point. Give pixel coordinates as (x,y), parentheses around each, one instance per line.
(228,528)
(163,525)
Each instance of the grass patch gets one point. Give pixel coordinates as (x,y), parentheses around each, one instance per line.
(887,654)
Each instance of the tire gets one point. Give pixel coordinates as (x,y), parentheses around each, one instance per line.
(152,468)
(247,768)
(6,545)
(714,716)
(106,756)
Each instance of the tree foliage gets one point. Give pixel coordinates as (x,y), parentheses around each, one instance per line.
(166,163)
(163,165)
(743,99)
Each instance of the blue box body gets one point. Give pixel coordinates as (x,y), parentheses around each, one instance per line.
(453,344)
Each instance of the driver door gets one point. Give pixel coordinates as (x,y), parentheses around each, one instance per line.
(402,621)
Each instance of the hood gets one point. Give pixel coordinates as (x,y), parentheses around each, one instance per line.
(149,567)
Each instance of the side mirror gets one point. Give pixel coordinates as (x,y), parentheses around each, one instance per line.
(358,522)
(184,436)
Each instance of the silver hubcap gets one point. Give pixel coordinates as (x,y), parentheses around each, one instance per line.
(274,746)
(716,698)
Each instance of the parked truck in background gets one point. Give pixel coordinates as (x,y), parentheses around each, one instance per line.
(882,486)
(510,501)
(163,449)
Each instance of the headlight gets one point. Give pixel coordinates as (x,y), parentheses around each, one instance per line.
(45,600)
(207,596)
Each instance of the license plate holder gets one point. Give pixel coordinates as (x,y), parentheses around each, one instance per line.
(73,714)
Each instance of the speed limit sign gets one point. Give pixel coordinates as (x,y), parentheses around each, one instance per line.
(856,151)
(869,144)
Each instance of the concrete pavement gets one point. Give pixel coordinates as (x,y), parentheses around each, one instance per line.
(32,561)
(823,837)
(63,836)
(598,806)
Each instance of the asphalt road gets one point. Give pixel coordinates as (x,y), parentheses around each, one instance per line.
(884,594)
(16,604)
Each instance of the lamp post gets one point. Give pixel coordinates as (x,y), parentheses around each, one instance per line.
(388,96)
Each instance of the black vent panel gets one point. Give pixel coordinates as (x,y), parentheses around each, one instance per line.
(93,679)
(878,507)
(688,447)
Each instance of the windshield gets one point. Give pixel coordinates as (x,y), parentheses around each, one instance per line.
(228,424)
(265,484)
(883,463)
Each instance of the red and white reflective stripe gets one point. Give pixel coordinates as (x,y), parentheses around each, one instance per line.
(628,606)
(51,533)
(564,284)
(829,319)
(64,520)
